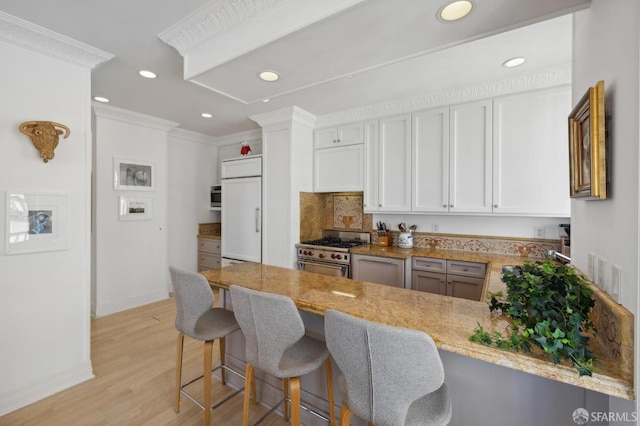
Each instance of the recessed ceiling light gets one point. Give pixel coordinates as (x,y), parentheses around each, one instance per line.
(266,100)
(350,75)
(269,76)
(206,115)
(147,74)
(514,62)
(101,99)
(455,10)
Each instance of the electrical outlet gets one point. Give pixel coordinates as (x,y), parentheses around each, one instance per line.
(616,282)
(538,232)
(591,261)
(603,281)
(435,227)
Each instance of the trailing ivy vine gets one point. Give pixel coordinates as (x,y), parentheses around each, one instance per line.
(549,306)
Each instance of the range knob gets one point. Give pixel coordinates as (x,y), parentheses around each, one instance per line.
(321,255)
(339,256)
(333,255)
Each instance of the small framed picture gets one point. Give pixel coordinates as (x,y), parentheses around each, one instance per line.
(134,208)
(133,175)
(35,222)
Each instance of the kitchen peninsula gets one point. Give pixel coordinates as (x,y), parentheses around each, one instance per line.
(449,321)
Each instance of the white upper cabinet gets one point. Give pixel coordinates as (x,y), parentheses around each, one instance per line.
(430,162)
(338,159)
(394,163)
(332,137)
(452,159)
(531,160)
(470,146)
(371,164)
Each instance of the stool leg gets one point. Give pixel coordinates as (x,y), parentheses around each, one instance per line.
(332,413)
(180,345)
(345,415)
(248,379)
(285,395)
(208,365)
(294,390)
(222,371)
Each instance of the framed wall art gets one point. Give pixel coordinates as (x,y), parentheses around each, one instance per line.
(134,208)
(587,146)
(133,175)
(35,222)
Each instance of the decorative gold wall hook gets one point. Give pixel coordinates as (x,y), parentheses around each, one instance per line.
(44,135)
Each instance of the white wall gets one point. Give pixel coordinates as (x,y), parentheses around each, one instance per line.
(500,226)
(44,308)
(130,256)
(607,47)
(193,168)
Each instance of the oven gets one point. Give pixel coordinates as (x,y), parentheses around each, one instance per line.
(325,268)
(331,254)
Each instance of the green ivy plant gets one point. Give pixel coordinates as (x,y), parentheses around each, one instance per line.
(549,305)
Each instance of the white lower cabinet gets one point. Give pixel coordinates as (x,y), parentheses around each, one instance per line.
(379,270)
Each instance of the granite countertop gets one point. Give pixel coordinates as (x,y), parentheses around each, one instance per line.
(448,320)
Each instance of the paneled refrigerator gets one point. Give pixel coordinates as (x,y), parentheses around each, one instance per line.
(241,210)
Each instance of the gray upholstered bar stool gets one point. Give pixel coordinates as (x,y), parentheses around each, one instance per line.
(276,344)
(391,376)
(197,318)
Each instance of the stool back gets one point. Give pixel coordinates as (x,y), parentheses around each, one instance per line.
(193,298)
(270,323)
(385,369)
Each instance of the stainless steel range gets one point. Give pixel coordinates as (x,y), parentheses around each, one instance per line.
(330,255)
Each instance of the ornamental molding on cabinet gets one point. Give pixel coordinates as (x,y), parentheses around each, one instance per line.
(26,34)
(539,79)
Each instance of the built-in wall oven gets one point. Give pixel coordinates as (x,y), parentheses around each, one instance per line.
(216,196)
(331,254)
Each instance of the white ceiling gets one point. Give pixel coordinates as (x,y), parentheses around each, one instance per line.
(395,49)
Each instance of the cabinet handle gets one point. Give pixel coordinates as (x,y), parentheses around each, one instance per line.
(444,205)
(450,205)
(428,264)
(465,269)
(257,219)
(495,206)
(379,205)
(370,259)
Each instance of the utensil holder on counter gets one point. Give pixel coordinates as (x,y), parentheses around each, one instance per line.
(384,238)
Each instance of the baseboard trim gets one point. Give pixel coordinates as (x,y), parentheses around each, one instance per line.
(103,309)
(22,396)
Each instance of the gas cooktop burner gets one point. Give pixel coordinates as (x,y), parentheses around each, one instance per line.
(335,242)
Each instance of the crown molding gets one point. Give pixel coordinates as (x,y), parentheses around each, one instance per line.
(248,135)
(105,111)
(539,79)
(292,113)
(25,34)
(210,20)
(190,135)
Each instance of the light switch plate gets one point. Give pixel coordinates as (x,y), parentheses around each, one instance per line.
(603,279)
(435,228)
(591,263)
(538,232)
(616,282)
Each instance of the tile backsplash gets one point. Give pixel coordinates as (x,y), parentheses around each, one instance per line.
(341,211)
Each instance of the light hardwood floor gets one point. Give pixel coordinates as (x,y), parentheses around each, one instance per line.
(133,356)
